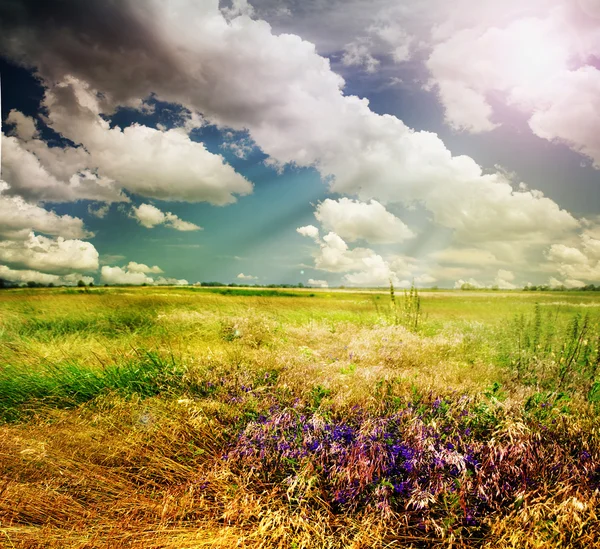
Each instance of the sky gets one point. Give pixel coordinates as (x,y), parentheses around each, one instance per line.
(324,142)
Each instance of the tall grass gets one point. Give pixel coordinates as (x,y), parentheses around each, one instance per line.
(69,384)
(557,356)
(407,311)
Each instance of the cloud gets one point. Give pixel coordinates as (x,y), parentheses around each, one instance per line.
(37,172)
(577,264)
(162,281)
(358,54)
(504,280)
(293,107)
(465,256)
(142,268)
(58,256)
(394,35)
(158,164)
(318,283)
(375,272)
(24,276)
(99,211)
(117,275)
(18,218)
(25,127)
(150,216)
(242,276)
(565,254)
(470,283)
(537,62)
(135,274)
(309,230)
(568,111)
(364,266)
(354,220)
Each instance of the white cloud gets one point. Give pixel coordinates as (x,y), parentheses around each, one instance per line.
(565,254)
(162,281)
(353,220)
(24,276)
(577,264)
(37,172)
(358,53)
(116,275)
(375,272)
(18,218)
(150,216)
(58,256)
(536,61)
(504,280)
(318,283)
(242,276)
(158,164)
(309,230)
(569,111)
(142,268)
(470,283)
(136,274)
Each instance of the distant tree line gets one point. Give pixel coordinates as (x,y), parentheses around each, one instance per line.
(236,285)
(546,288)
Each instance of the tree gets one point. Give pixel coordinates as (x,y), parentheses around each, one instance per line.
(81,284)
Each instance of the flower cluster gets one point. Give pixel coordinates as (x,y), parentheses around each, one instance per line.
(421,459)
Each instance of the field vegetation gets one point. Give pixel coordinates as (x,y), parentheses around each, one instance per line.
(298,418)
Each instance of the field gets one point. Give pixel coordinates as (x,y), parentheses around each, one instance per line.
(194,418)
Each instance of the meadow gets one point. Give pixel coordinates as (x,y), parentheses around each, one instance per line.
(205,417)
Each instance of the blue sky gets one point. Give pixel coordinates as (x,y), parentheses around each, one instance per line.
(329,143)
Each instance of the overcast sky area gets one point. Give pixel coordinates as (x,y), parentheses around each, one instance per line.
(328,142)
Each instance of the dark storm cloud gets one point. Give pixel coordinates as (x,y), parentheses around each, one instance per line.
(93,39)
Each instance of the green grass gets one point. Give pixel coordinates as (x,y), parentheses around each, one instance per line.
(69,384)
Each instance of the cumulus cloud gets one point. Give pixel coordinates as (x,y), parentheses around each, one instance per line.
(18,218)
(24,276)
(136,274)
(162,281)
(470,283)
(160,164)
(504,280)
(309,230)
(318,283)
(37,172)
(242,276)
(577,264)
(134,267)
(58,256)
(354,220)
(537,62)
(117,275)
(150,216)
(363,266)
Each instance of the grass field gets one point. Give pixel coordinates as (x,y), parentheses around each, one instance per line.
(187,418)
